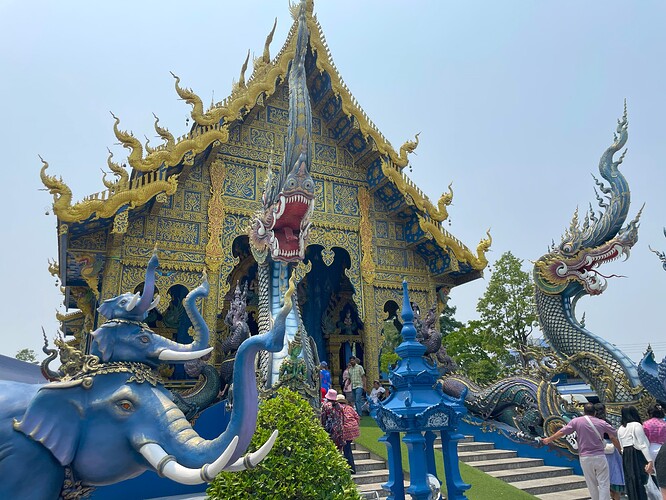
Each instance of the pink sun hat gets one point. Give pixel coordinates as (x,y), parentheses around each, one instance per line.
(331,395)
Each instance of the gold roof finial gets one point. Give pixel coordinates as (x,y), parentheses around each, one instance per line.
(266,58)
(241,78)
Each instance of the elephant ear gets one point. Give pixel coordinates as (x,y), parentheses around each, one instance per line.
(104,339)
(54,420)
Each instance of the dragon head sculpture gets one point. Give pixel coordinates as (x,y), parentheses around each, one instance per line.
(283,224)
(572,267)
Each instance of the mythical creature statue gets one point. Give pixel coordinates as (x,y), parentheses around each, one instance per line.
(193,401)
(236,320)
(429,335)
(570,271)
(562,276)
(278,234)
(113,419)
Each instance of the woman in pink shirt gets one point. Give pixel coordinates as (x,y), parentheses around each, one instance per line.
(655,428)
(350,430)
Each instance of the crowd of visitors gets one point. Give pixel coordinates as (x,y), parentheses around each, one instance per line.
(341,413)
(621,461)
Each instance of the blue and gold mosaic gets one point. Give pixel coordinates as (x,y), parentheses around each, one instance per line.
(345,199)
(243,183)
(176,231)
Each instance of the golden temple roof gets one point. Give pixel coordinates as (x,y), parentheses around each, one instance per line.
(151,166)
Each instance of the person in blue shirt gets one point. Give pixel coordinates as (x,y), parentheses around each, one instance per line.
(324,378)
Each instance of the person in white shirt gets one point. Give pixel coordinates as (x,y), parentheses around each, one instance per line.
(637,460)
(377,392)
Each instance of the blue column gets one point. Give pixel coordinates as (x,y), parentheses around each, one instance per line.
(455,486)
(396,480)
(430,437)
(418,484)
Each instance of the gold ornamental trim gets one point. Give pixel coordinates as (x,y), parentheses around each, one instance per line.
(365,229)
(214,251)
(414,196)
(106,203)
(461,252)
(191,144)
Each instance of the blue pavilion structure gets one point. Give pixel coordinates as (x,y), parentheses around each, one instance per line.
(419,409)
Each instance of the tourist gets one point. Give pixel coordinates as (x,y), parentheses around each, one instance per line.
(613,458)
(655,428)
(324,378)
(358,381)
(346,384)
(332,418)
(350,430)
(636,456)
(589,431)
(377,393)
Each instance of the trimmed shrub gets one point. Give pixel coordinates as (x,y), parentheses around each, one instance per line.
(303,464)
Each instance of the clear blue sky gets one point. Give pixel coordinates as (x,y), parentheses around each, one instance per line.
(515,102)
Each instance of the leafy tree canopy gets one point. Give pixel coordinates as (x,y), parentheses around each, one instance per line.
(27,355)
(507,318)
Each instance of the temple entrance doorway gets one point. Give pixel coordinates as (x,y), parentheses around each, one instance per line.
(328,309)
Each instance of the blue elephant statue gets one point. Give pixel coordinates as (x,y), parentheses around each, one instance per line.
(126,337)
(113,420)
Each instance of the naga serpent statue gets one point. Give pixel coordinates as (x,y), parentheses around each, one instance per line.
(653,375)
(111,418)
(569,272)
(529,403)
(279,232)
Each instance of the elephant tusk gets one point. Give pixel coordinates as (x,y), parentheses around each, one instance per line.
(171,355)
(166,465)
(251,460)
(133,302)
(154,303)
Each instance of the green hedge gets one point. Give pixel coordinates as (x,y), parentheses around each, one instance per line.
(303,464)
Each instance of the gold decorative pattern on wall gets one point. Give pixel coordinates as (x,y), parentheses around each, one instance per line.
(367,262)
(120,223)
(349,241)
(215,216)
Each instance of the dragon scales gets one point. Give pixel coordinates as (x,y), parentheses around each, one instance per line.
(569,271)
(279,232)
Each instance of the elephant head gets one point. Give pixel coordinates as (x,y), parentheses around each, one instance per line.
(112,421)
(134,306)
(125,337)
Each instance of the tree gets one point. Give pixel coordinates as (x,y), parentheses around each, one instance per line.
(507,308)
(27,355)
(392,339)
(447,323)
(507,317)
(479,355)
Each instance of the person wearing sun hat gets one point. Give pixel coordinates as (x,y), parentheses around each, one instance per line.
(350,430)
(332,418)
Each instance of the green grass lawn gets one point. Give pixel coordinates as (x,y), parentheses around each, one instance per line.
(484,487)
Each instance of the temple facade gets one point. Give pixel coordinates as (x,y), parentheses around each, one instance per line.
(195,196)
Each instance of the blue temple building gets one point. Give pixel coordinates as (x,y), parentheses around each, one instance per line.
(195,196)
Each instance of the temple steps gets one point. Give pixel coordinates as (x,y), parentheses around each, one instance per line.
(527,474)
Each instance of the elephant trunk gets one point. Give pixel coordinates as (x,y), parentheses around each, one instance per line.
(191,452)
(146,303)
(174,351)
